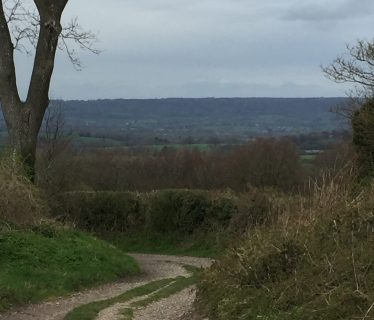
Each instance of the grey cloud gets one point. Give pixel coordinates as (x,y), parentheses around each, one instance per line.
(164,48)
(329,11)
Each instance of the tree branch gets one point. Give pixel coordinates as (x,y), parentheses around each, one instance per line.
(357,67)
(50,29)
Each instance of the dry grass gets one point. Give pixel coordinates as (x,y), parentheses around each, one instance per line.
(314,261)
(21,203)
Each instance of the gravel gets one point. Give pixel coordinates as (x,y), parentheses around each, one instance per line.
(154,267)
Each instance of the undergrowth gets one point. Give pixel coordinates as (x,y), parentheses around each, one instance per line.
(314,262)
(200,244)
(21,202)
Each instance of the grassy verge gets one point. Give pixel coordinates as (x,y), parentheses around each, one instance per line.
(153,291)
(314,262)
(48,262)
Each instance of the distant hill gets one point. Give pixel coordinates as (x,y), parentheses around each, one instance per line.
(181,118)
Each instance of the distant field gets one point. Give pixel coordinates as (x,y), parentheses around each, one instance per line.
(178,146)
(308,157)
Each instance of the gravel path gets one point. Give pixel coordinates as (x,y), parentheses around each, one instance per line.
(153,267)
(175,307)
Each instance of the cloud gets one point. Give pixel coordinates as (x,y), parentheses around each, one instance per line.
(329,11)
(160,48)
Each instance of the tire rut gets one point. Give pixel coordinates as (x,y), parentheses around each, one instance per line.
(154,267)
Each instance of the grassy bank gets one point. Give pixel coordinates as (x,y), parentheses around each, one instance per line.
(48,262)
(315,262)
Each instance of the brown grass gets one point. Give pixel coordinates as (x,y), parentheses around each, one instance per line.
(21,203)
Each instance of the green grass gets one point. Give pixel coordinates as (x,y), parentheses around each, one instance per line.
(127,313)
(154,291)
(178,146)
(49,262)
(203,245)
(178,285)
(308,157)
(91,310)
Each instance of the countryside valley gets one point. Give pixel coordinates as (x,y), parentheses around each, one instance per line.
(185,208)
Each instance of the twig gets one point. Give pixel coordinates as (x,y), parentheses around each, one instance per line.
(367,312)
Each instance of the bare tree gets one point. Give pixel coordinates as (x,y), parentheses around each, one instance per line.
(54,138)
(355,66)
(23,28)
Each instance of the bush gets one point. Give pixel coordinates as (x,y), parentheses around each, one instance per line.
(313,262)
(363,137)
(21,202)
(180,211)
(254,208)
(223,207)
(265,163)
(102,211)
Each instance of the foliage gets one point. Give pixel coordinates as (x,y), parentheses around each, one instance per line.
(260,163)
(313,262)
(102,211)
(265,163)
(173,212)
(363,137)
(176,210)
(49,261)
(254,208)
(202,243)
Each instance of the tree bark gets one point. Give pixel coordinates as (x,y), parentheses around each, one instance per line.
(24,119)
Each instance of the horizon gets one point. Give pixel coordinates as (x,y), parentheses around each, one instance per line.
(202,98)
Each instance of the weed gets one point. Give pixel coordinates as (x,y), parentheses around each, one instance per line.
(313,262)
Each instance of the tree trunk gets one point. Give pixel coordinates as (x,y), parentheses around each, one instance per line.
(24,119)
(23,127)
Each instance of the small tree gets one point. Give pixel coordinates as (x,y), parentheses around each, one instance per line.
(23,28)
(363,137)
(357,67)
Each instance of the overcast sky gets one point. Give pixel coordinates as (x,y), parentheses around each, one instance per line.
(201,48)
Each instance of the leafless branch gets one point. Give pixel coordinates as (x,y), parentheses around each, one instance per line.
(84,39)
(356,66)
(24,26)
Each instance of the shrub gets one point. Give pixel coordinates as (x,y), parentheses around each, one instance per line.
(363,137)
(21,202)
(223,207)
(253,208)
(314,262)
(102,211)
(273,163)
(180,211)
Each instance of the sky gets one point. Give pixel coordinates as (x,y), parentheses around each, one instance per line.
(208,48)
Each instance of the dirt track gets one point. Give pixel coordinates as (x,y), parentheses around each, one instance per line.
(153,267)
